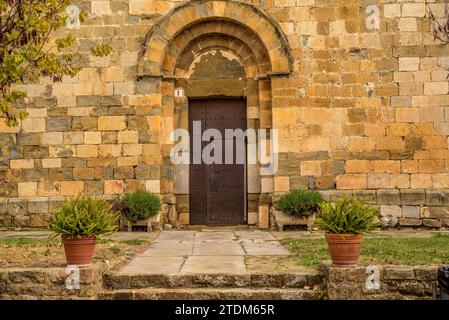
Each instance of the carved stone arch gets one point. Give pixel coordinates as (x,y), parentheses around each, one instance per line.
(198,48)
(176,43)
(196,11)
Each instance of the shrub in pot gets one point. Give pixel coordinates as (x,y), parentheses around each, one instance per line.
(345,222)
(141,205)
(80,222)
(298,207)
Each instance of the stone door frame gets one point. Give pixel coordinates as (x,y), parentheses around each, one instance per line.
(172,45)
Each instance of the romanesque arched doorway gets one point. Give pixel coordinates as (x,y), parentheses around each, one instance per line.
(208,50)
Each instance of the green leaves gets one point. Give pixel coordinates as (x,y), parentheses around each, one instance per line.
(141,205)
(101,50)
(85,216)
(26,27)
(300,203)
(346,216)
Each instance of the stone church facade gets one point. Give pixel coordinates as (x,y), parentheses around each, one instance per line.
(355,88)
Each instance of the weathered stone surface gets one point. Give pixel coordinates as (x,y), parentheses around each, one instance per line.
(381,138)
(411,212)
(409,222)
(432,223)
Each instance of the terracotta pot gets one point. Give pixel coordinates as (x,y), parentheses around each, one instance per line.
(344,248)
(79,251)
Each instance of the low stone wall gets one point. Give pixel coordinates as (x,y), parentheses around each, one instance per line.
(416,208)
(48,283)
(404,207)
(395,282)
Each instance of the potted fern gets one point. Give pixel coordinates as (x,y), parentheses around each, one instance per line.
(345,222)
(80,222)
(141,208)
(298,207)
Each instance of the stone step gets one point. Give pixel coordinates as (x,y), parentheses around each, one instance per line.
(274,280)
(210,294)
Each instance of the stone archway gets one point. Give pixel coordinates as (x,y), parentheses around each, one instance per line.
(249,38)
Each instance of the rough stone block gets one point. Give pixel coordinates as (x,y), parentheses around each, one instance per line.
(27,189)
(111,123)
(281,184)
(113,187)
(432,223)
(153,186)
(408,222)
(437,198)
(92,137)
(395,273)
(71,188)
(411,212)
(413,197)
(395,211)
(264,217)
(388,196)
(102,7)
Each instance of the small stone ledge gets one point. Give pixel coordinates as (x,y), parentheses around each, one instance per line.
(395,282)
(49,283)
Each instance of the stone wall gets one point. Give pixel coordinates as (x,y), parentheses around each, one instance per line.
(48,284)
(360,110)
(396,283)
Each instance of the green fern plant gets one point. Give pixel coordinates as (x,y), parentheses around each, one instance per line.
(141,205)
(300,203)
(347,216)
(84,215)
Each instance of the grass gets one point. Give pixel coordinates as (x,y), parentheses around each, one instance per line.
(45,252)
(389,250)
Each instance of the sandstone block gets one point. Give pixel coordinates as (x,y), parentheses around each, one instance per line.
(101,7)
(87,151)
(112,187)
(395,211)
(92,137)
(21,164)
(408,222)
(111,123)
(281,184)
(432,223)
(110,150)
(264,217)
(408,64)
(27,189)
(52,138)
(153,186)
(354,181)
(410,212)
(71,188)
(310,168)
(51,163)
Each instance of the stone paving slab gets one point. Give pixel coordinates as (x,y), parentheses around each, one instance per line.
(218,249)
(152,265)
(272,248)
(214,264)
(215,236)
(169,249)
(165,236)
(255,235)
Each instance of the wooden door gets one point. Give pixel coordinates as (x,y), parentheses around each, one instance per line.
(218,191)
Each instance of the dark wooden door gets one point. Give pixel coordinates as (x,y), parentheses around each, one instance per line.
(218,191)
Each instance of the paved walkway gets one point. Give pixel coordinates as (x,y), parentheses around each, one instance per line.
(187,252)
